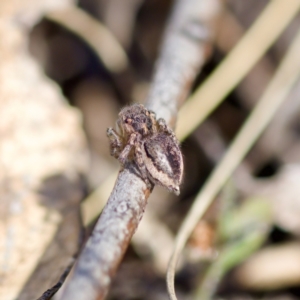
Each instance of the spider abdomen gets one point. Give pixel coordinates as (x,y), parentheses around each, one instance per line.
(163,161)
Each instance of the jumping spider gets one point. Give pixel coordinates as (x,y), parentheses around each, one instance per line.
(150,143)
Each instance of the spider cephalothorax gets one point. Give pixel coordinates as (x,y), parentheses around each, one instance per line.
(136,119)
(150,143)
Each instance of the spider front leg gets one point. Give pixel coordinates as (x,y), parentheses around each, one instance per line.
(124,154)
(152,116)
(163,127)
(115,142)
(138,155)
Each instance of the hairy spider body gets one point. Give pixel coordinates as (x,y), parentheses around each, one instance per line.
(150,143)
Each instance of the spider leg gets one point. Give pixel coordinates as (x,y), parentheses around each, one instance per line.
(115,142)
(125,152)
(163,127)
(140,163)
(152,116)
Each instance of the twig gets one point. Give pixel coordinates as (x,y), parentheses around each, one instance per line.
(237,64)
(253,85)
(242,230)
(97,36)
(184,49)
(52,291)
(278,139)
(92,206)
(125,12)
(106,247)
(277,91)
(119,220)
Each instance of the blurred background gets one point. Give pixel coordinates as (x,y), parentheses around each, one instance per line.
(64,76)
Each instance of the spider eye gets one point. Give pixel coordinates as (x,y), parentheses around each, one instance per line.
(142,119)
(128,121)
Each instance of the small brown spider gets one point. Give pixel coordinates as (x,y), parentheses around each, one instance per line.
(150,143)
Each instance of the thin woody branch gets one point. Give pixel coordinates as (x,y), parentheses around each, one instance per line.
(185,48)
(97,36)
(52,291)
(110,238)
(183,53)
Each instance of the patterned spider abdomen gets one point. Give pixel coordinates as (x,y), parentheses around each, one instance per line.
(163,160)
